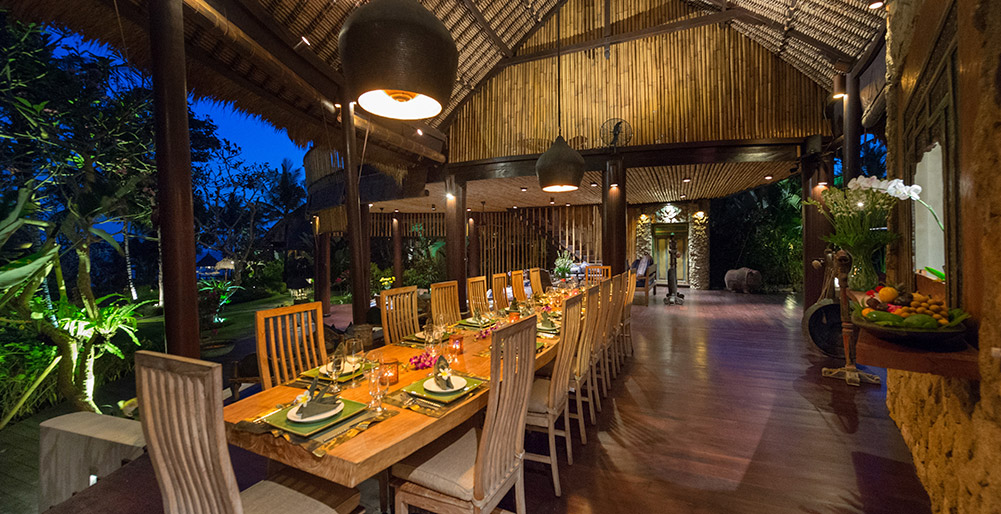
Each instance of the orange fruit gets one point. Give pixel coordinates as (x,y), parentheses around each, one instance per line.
(887,294)
(866,311)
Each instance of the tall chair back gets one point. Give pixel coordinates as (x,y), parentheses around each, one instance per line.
(501,447)
(180,401)
(569,339)
(499,287)
(518,286)
(476,292)
(595,274)
(289,341)
(617,303)
(592,314)
(445,302)
(604,310)
(627,308)
(399,313)
(535,278)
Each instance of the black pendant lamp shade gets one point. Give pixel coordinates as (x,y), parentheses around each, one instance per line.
(399,59)
(561,168)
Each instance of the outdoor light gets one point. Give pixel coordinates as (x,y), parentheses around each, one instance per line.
(399,59)
(839,87)
(561,168)
(686,180)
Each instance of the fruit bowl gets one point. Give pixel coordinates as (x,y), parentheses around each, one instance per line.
(942,339)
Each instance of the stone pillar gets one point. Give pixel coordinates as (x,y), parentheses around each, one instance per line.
(698,247)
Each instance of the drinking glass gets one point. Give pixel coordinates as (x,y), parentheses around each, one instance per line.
(335,364)
(354,356)
(378,384)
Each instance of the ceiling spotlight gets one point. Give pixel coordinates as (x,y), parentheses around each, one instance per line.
(876,5)
(684,196)
(420,132)
(768,177)
(433,208)
(594,184)
(469,209)
(686,180)
(612,186)
(515,207)
(822,184)
(370,206)
(568,204)
(396,210)
(552,201)
(524,189)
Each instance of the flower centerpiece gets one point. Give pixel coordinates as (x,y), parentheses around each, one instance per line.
(858,214)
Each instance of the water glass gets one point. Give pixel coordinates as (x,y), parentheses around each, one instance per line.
(335,363)
(354,356)
(378,384)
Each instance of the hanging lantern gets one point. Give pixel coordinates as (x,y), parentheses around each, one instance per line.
(399,59)
(561,168)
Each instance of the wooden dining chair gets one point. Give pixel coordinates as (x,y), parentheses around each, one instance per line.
(499,287)
(470,470)
(613,352)
(549,398)
(180,403)
(626,333)
(518,286)
(476,294)
(601,336)
(399,313)
(289,342)
(595,274)
(535,279)
(582,375)
(445,302)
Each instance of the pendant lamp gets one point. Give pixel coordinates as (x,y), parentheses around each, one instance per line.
(561,168)
(399,59)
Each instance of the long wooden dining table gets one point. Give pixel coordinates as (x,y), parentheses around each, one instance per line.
(384,443)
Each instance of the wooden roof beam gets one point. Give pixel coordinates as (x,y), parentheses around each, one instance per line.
(656,30)
(835,55)
(485,26)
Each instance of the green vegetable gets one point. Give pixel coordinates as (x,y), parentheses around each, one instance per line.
(956,316)
(884,317)
(920,321)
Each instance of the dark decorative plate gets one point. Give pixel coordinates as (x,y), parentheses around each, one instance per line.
(946,339)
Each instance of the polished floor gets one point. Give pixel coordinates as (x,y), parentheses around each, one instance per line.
(723,409)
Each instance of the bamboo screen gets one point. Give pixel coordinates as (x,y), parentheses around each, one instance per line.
(703,84)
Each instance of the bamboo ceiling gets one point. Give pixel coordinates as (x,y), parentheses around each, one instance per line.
(643,185)
(251,52)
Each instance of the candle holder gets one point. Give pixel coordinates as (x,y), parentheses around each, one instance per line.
(455,344)
(391,371)
(512,317)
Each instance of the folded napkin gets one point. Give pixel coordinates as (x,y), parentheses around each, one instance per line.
(442,373)
(546,323)
(317,402)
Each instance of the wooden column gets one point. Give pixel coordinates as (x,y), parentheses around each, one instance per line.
(455,233)
(366,236)
(474,245)
(321,267)
(356,240)
(613,216)
(173,163)
(815,175)
(397,250)
(851,155)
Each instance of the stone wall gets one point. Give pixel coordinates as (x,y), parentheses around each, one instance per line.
(952,426)
(698,251)
(698,236)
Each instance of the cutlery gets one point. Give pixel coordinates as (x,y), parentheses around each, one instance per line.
(428,404)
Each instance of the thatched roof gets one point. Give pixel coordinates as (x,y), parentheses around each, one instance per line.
(252,53)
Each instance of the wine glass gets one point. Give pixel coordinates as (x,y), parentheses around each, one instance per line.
(335,363)
(354,355)
(378,384)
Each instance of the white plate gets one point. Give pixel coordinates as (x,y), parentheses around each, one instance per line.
(346,369)
(292,416)
(432,387)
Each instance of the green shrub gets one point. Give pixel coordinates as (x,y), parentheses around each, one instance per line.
(268,276)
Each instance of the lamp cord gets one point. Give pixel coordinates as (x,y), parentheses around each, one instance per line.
(559,77)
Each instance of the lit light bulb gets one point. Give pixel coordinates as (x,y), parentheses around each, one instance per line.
(400,105)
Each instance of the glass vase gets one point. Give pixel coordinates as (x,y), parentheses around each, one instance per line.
(862,276)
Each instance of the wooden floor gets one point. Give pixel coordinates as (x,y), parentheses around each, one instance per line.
(722,409)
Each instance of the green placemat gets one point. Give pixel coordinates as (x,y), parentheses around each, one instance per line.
(554,330)
(280,421)
(482,323)
(346,378)
(417,389)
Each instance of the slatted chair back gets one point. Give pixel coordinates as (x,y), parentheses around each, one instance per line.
(476,292)
(592,314)
(445,302)
(535,279)
(617,303)
(627,308)
(502,443)
(289,341)
(605,310)
(180,402)
(499,286)
(569,341)
(595,274)
(399,313)
(518,286)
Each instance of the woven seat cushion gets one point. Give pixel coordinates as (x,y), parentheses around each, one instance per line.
(267,497)
(445,466)
(335,496)
(540,393)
